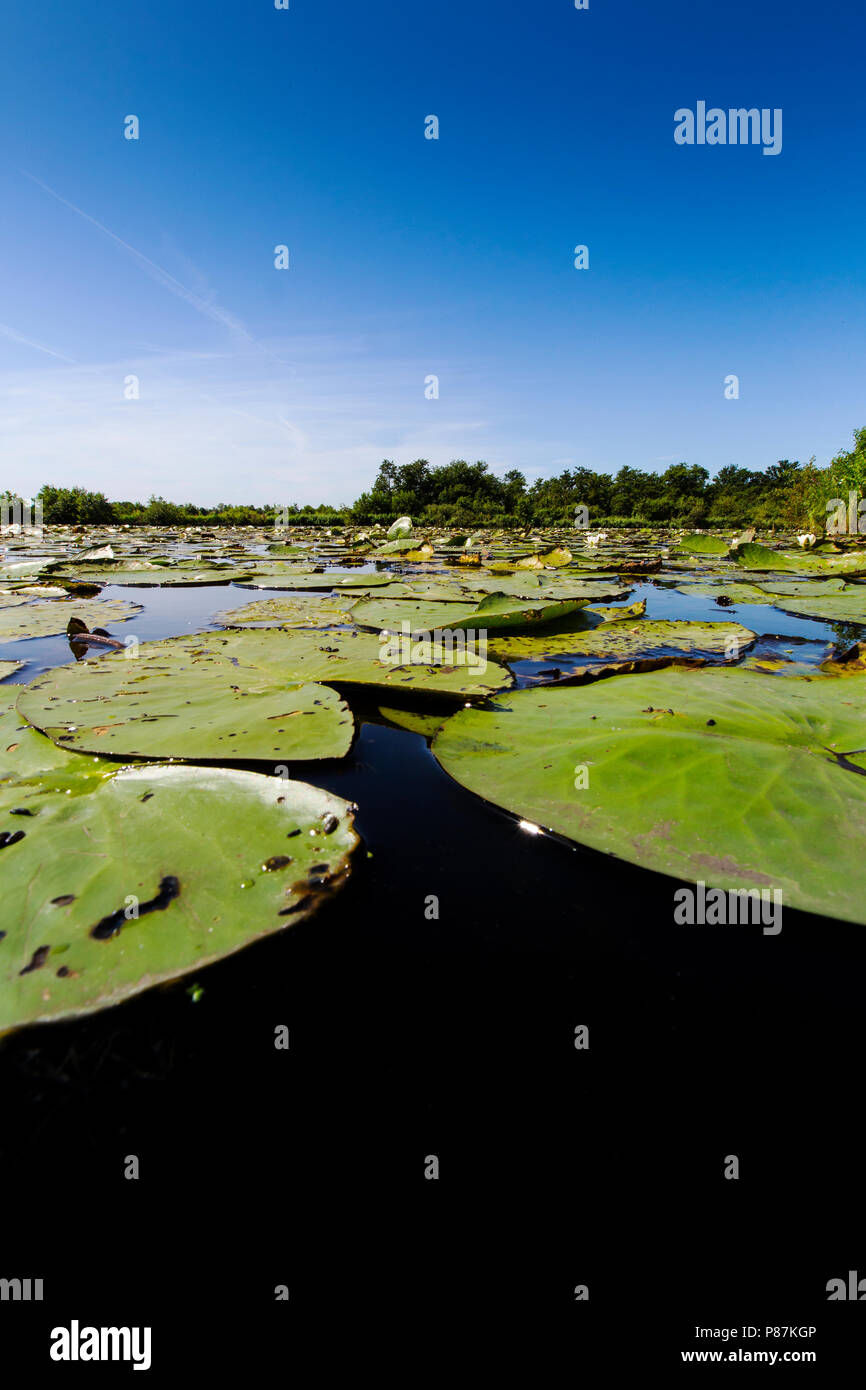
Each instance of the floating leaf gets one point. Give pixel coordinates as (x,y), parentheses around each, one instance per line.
(47,617)
(720,775)
(493,612)
(696,544)
(625,639)
(186,699)
(426,724)
(143,875)
(291,610)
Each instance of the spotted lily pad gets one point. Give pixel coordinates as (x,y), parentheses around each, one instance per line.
(292,610)
(721,775)
(361,658)
(49,616)
(186,699)
(127,879)
(7,668)
(627,638)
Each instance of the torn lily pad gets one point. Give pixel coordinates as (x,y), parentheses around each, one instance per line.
(142,875)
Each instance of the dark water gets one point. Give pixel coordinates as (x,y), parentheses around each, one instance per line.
(455,1037)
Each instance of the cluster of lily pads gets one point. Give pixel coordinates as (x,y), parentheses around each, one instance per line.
(135,850)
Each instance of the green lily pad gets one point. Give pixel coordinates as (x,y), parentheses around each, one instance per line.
(183,699)
(47,617)
(307,579)
(804,588)
(13,598)
(144,575)
(738,591)
(761,557)
(294,610)
(361,658)
(625,639)
(7,668)
(847,607)
(704,545)
(210,860)
(720,775)
(551,587)
(493,612)
(426,724)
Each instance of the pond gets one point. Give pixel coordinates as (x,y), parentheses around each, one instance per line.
(433,1004)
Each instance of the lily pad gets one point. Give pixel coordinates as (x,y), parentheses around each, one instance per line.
(493,612)
(625,639)
(847,607)
(49,616)
(293,610)
(308,579)
(361,658)
(720,775)
(761,557)
(426,724)
(139,876)
(8,667)
(186,699)
(704,545)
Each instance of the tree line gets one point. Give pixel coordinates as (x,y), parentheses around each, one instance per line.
(785,494)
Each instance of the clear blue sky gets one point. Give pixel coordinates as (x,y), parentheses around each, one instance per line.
(412,257)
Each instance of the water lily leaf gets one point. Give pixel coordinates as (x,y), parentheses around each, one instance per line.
(760,557)
(804,588)
(13,598)
(493,612)
(625,639)
(721,775)
(426,724)
(697,544)
(20,569)
(361,658)
(7,667)
(395,547)
(49,616)
(849,662)
(543,586)
(186,699)
(308,579)
(847,607)
(603,613)
(292,610)
(209,859)
(557,557)
(143,575)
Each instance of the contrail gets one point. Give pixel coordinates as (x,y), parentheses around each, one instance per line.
(10,333)
(163,277)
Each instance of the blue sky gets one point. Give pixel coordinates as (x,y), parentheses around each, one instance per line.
(411,257)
